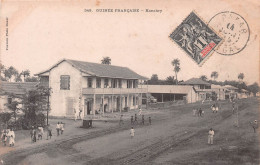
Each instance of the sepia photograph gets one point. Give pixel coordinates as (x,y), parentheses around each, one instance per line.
(149,82)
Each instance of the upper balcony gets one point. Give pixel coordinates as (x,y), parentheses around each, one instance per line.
(86,91)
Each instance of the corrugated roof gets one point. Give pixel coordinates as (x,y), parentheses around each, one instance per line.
(17,88)
(174,89)
(230,87)
(195,81)
(101,70)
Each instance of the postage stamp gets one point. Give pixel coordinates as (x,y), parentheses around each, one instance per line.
(196,38)
(234,30)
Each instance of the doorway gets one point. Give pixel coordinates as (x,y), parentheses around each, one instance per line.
(88,106)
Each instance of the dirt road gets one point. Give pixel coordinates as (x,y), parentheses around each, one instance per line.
(175,137)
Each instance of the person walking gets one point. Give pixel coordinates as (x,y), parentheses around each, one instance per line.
(49,134)
(132,132)
(210,136)
(150,120)
(121,120)
(143,119)
(62,128)
(11,136)
(58,128)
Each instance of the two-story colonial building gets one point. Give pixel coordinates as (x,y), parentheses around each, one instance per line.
(202,88)
(91,88)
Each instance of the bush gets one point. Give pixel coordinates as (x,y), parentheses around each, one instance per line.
(5,117)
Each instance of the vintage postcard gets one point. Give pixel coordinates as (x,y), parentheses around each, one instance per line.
(129,82)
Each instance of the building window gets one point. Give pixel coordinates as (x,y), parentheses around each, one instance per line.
(9,100)
(106,83)
(89,82)
(120,83)
(128,83)
(98,83)
(65,82)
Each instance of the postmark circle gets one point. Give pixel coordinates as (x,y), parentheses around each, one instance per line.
(234,31)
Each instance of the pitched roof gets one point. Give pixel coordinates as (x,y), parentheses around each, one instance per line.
(195,81)
(173,89)
(100,70)
(230,87)
(17,88)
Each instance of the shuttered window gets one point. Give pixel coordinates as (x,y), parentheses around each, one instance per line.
(65,82)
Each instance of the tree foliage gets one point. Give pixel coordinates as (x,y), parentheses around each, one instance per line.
(35,102)
(106,60)
(203,77)
(241,76)
(177,68)
(214,75)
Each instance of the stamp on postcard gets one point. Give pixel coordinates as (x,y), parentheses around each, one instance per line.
(234,30)
(196,38)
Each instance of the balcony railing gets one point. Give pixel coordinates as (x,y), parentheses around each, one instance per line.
(113,90)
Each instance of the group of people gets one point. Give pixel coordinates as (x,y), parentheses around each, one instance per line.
(8,135)
(38,132)
(134,120)
(60,128)
(214,108)
(198,112)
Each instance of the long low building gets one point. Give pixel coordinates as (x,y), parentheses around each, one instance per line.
(165,93)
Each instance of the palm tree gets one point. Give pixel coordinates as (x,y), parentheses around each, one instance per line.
(241,76)
(214,75)
(25,73)
(106,60)
(204,78)
(176,65)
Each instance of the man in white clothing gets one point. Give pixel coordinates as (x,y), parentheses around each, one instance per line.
(132,132)
(210,136)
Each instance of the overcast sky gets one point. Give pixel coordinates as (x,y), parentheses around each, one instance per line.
(40,34)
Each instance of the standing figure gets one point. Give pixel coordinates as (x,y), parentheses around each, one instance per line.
(75,114)
(34,134)
(143,119)
(140,111)
(132,120)
(121,120)
(213,108)
(194,111)
(31,133)
(4,137)
(150,120)
(49,134)
(254,125)
(11,136)
(62,128)
(200,112)
(233,107)
(210,136)
(217,108)
(40,133)
(136,119)
(58,128)
(132,132)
